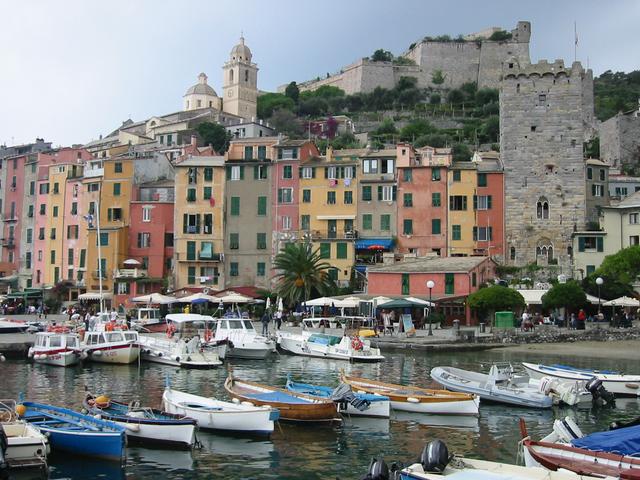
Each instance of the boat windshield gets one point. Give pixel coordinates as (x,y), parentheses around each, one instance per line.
(247,324)
(112,337)
(55,341)
(235,324)
(72,340)
(131,336)
(41,340)
(149,314)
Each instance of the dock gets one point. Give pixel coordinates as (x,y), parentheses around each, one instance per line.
(16,345)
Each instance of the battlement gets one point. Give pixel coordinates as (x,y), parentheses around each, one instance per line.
(557,68)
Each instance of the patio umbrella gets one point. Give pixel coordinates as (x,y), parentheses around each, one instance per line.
(320,302)
(131,261)
(401,303)
(420,301)
(155,298)
(622,302)
(198,298)
(234,298)
(280,304)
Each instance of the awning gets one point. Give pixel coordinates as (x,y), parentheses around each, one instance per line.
(532,297)
(95,296)
(206,250)
(365,243)
(335,217)
(361,268)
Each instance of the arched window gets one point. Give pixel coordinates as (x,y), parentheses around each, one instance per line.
(231,76)
(544,249)
(246,75)
(542,209)
(512,253)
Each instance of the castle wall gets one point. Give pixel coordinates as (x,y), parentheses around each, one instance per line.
(493,55)
(542,126)
(620,140)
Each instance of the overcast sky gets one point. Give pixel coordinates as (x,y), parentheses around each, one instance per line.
(71,70)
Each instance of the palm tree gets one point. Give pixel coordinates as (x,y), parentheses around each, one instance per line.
(302,271)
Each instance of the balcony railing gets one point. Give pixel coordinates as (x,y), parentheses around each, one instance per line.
(130,273)
(8,242)
(95,274)
(330,234)
(93,172)
(215,257)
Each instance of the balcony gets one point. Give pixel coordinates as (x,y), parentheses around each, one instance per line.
(331,234)
(93,172)
(8,217)
(130,273)
(210,257)
(8,242)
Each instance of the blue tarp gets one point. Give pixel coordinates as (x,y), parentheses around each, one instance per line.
(364,243)
(623,441)
(583,370)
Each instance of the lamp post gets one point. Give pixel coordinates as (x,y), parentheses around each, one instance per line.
(599,282)
(430,285)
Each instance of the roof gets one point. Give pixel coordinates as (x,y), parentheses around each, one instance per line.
(158,183)
(350,152)
(463,166)
(291,143)
(201,89)
(631,201)
(255,140)
(241,51)
(388,152)
(432,265)
(200,161)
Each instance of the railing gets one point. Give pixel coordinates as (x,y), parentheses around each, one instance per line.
(95,274)
(214,257)
(130,273)
(8,242)
(93,172)
(330,234)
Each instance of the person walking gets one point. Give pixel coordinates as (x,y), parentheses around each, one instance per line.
(266,318)
(278,319)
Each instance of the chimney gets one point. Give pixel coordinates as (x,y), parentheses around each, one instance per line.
(194,141)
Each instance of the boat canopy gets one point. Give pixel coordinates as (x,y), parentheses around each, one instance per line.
(623,441)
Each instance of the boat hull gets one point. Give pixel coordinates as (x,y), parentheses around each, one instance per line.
(160,434)
(59,359)
(27,447)
(107,446)
(619,385)
(119,354)
(298,346)
(381,409)
(249,351)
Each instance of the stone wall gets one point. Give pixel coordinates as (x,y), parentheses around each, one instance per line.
(620,140)
(545,114)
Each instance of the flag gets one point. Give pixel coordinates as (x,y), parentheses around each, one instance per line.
(575,32)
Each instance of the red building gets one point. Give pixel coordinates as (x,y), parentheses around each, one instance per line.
(491,185)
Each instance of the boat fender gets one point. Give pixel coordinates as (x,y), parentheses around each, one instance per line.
(235,400)
(2,358)
(30,353)
(83,355)
(132,427)
(378,470)
(632,386)
(159,354)
(188,359)
(97,353)
(434,457)
(413,400)
(247,404)
(176,358)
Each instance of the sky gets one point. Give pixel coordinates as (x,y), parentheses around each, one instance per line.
(71,70)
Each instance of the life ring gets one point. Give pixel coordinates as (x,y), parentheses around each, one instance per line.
(208,334)
(171,329)
(356,344)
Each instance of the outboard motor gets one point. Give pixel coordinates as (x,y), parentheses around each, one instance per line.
(378,470)
(601,396)
(434,457)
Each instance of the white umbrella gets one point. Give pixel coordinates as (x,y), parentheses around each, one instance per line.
(234,298)
(267,305)
(155,298)
(198,296)
(377,301)
(131,261)
(280,305)
(321,302)
(622,302)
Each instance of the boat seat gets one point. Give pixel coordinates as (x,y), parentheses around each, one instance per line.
(276,397)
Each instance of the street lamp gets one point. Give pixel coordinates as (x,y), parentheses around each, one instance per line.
(599,282)
(430,285)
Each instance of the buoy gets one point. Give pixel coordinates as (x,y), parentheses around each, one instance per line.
(102,401)
(413,400)
(177,359)
(30,353)
(21,410)
(2,358)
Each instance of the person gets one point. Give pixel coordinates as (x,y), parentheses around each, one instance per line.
(114,315)
(525,319)
(278,319)
(573,322)
(582,318)
(265,322)
(128,320)
(186,309)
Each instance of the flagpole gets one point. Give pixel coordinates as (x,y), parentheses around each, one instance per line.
(99,252)
(575,43)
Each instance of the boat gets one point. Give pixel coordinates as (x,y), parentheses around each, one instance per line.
(59,347)
(293,406)
(149,320)
(75,432)
(26,447)
(349,403)
(321,345)
(188,325)
(10,326)
(244,340)
(145,426)
(574,392)
(416,399)
(614,382)
(435,463)
(111,343)
(500,385)
(178,352)
(574,457)
(213,414)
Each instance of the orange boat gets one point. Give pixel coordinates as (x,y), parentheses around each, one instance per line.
(294,407)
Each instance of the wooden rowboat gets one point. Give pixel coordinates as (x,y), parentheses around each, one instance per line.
(416,399)
(293,406)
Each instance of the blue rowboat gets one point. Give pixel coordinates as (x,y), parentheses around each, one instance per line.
(349,402)
(77,433)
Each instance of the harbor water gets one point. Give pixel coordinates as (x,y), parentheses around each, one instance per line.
(299,452)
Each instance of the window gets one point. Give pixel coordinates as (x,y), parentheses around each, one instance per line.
(285,195)
(32,188)
(206,251)
(74,208)
(407,226)
(70,256)
(407,175)
(633,218)
(29,235)
(341,250)
(331,198)
(590,244)
(261,241)
(482,179)
(590,173)
(512,253)
(634,240)
(104,239)
(235,173)
(325,250)
(482,202)
(370,165)
(53,234)
(191,275)
(435,174)
(168,240)
(262,152)
(286,223)
(387,165)
(144,240)
(44,188)
(262,206)
(208,174)
(590,269)
(146,214)
(385,222)
(305,222)
(542,209)
(260,172)
(191,250)
(456,175)
(234,241)
(41,233)
(603,174)
(407,200)
(191,223)
(482,234)
(248,153)
(117,167)
(191,194)
(406,288)
(192,175)
(52,257)
(307,172)
(458,202)
(449,284)
(43,209)
(116,189)
(348,197)
(91,187)
(436,200)
(55,211)
(597,190)
(72,232)
(29,211)
(207,193)
(622,191)
(114,214)
(27,259)
(83,257)
(306,196)
(367,221)
(435,226)
(287,171)
(287,153)
(366,193)
(386,193)
(261,269)
(456,232)
(235,206)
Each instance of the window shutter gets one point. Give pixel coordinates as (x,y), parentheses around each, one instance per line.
(109,214)
(228,169)
(490,233)
(242,173)
(185,221)
(313,172)
(600,244)
(581,244)
(299,172)
(255,172)
(379,192)
(279,195)
(593,190)
(489,202)
(475,202)
(475,234)
(395,193)
(450,203)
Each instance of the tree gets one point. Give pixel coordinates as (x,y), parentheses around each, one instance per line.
(622,267)
(346,140)
(269,102)
(486,95)
(436,140)
(500,36)
(292,91)
(435,99)
(460,152)
(215,135)
(494,299)
(381,55)
(490,130)
(437,77)
(302,271)
(611,287)
(455,96)
(564,295)
(416,129)
(312,107)
(286,122)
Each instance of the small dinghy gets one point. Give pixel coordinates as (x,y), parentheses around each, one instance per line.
(349,403)
(614,382)
(213,414)
(500,385)
(11,326)
(293,406)
(24,446)
(77,433)
(145,426)
(416,399)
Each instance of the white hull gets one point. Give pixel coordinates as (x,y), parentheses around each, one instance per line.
(64,359)
(298,345)
(376,409)
(245,340)
(121,354)
(464,407)
(177,354)
(25,443)
(627,385)
(182,435)
(216,415)
(251,351)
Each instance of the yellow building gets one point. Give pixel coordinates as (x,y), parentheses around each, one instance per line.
(199,222)
(328,208)
(462,181)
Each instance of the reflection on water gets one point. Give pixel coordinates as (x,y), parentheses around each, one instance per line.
(302,451)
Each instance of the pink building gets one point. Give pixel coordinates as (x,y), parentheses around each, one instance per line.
(454,278)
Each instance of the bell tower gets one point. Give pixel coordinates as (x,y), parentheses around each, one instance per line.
(240,83)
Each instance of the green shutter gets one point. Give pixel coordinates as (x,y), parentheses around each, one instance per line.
(116,189)
(341,250)
(489,202)
(435,226)
(235,206)
(279,195)
(313,172)
(435,199)
(228,172)
(256,174)
(407,226)
(325,250)
(326,172)
(475,234)
(449,284)
(83,258)
(367,220)
(242,172)
(600,244)
(206,194)
(185,222)
(191,250)
(385,222)
(406,286)
(379,192)
(475,202)
(262,205)
(581,244)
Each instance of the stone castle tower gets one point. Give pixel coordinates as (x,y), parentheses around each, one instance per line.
(546,113)
(240,83)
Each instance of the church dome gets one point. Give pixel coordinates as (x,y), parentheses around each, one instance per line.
(201,88)
(241,52)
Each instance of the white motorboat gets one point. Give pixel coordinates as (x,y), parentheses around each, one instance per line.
(500,385)
(614,382)
(178,352)
(244,340)
(188,325)
(213,414)
(59,347)
(8,326)
(148,320)
(321,345)
(111,343)
(26,446)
